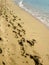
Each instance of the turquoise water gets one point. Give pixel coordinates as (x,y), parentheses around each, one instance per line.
(38,8)
(41,4)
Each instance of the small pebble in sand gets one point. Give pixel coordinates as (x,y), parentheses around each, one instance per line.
(19,19)
(19,34)
(3,62)
(19,25)
(27,54)
(26,61)
(14,27)
(0,13)
(14,19)
(14,16)
(20,43)
(8,25)
(3,55)
(23,39)
(0,51)
(28,41)
(1,39)
(14,31)
(23,31)
(31,42)
(11,23)
(6,16)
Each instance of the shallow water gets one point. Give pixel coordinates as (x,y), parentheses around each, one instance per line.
(43,4)
(38,8)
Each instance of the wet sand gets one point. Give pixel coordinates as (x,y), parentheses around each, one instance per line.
(23,39)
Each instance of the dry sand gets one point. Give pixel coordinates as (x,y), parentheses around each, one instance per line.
(24,40)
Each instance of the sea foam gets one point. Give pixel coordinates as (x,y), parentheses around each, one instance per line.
(40,15)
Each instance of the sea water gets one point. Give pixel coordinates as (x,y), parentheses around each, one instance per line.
(37,8)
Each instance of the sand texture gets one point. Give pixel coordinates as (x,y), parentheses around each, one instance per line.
(24,40)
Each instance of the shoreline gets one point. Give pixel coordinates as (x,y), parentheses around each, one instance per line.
(35,17)
(38,17)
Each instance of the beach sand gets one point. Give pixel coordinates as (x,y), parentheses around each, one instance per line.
(24,40)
